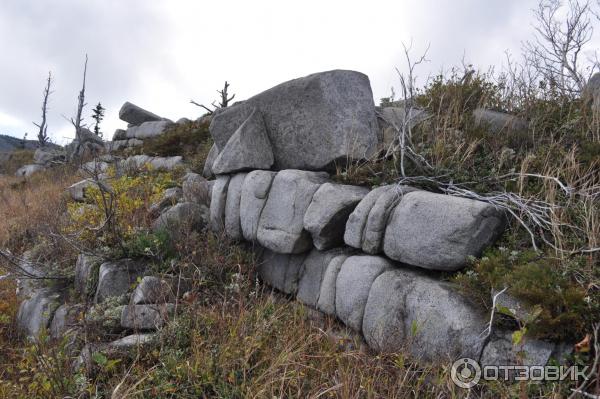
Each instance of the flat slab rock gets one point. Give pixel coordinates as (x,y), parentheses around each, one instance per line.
(311,122)
(135,115)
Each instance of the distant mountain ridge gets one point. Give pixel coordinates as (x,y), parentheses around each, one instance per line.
(9,144)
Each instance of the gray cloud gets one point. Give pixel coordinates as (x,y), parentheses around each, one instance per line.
(160,53)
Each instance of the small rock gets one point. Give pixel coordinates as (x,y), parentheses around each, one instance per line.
(86,274)
(182,218)
(77,190)
(210,160)
(28,170)
(170,197)
(67,318)
(196,189)
(116,278)
(146,317)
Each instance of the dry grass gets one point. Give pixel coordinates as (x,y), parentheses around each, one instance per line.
(29,208)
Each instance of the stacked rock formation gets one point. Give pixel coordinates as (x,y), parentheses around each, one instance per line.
(369,256)
(142,125)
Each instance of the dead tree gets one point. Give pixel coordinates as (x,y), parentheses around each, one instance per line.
(80,105)
(43,126)
(224,102)
(559,43)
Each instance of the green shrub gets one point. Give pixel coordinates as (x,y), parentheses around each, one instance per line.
(567,309)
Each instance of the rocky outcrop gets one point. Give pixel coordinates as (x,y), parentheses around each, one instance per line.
(311,122)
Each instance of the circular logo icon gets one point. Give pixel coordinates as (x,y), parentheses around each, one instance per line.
(465,373)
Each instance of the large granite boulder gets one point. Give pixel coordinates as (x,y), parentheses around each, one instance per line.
(281,226)
(248,148)
(353,285)
(326,216)
(233,227)
(47,156)
(326,302)
(281,271)
(372,236)
(440,232)
(135,115)
(254,197)
(217,203)
(312,273)
(311,122)
(213,153)
(406,309)
(355,226)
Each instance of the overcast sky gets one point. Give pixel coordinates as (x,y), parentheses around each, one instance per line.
(160,54)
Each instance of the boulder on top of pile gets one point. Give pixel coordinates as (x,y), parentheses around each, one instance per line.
(135,115)
(308,123)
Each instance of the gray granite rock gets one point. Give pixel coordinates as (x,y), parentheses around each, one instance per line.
(440,232)
(353,284)
(248,148)
(218,202)
(281,226)
(36,312)
(86,274)
(312,122)
(233,227)
(281,271)
(355,226)
(146,317)
(135,115)
(254,197)
(116,278)
(326,302)
(312,275)
(372,240)
(326,216)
